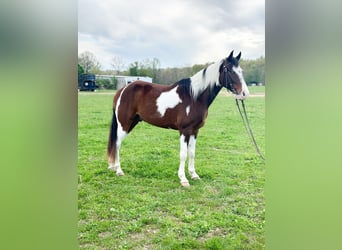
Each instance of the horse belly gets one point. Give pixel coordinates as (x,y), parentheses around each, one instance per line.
(167,121)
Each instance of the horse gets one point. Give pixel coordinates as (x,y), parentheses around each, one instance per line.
(182,106)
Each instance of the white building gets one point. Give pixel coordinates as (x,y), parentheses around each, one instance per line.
(124,80)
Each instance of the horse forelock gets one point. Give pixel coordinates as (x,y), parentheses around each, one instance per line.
(208,77)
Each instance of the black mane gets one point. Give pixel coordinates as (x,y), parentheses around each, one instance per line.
(184,86)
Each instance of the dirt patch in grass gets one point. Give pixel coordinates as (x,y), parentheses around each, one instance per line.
(105,234)
(143,237)
(217,232)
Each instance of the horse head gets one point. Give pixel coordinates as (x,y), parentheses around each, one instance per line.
(231,76)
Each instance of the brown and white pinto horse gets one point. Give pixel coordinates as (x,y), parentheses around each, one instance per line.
(182,106)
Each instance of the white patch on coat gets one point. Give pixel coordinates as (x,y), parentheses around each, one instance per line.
(200,82)
(168,100)
(187,110)
(244,92)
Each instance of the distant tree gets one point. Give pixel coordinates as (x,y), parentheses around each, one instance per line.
(114,83)
(254,70)
(133,69)
(107,72)
(197,67)
(80,69)
(144,68)
(172,75)
(155,69)
(96,69)
(89,62)
(117,64)
(106,83)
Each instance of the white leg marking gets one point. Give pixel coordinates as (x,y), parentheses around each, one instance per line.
(120,136)
(182,155)
(167,100)
(187,110)
(244,92)
(191,152)
(117,165)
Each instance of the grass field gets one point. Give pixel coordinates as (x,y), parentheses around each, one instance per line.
(147,208)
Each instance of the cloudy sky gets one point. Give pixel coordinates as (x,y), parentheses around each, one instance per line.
(178,32)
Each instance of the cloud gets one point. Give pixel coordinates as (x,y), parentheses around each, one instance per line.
(176,32)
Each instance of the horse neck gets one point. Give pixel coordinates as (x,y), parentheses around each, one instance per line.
(206,97)
(209,95)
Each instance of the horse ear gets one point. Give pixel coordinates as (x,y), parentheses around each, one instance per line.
(230,57)
(238,56)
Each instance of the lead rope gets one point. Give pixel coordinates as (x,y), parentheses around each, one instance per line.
(249,130)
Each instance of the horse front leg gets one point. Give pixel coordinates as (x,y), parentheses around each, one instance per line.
(182,155)
(191,153)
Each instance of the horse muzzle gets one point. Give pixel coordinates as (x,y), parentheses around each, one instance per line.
(243,95)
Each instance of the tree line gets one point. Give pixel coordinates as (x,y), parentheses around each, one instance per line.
(254,70)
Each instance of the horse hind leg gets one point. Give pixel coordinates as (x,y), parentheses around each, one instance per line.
(111,147)
(121,135)
(117,134)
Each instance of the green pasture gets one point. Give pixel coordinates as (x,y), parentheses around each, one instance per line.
(147,208)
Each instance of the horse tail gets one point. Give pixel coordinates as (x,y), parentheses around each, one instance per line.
(111,148)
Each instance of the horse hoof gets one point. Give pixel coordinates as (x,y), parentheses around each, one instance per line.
(185,184)
(120,174)
(196,178)
(111,168)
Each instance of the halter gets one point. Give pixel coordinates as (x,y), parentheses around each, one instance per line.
(229,84)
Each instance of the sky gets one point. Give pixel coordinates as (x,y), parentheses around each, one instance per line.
(178,33)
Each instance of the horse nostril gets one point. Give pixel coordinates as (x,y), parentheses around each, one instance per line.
(243,93)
